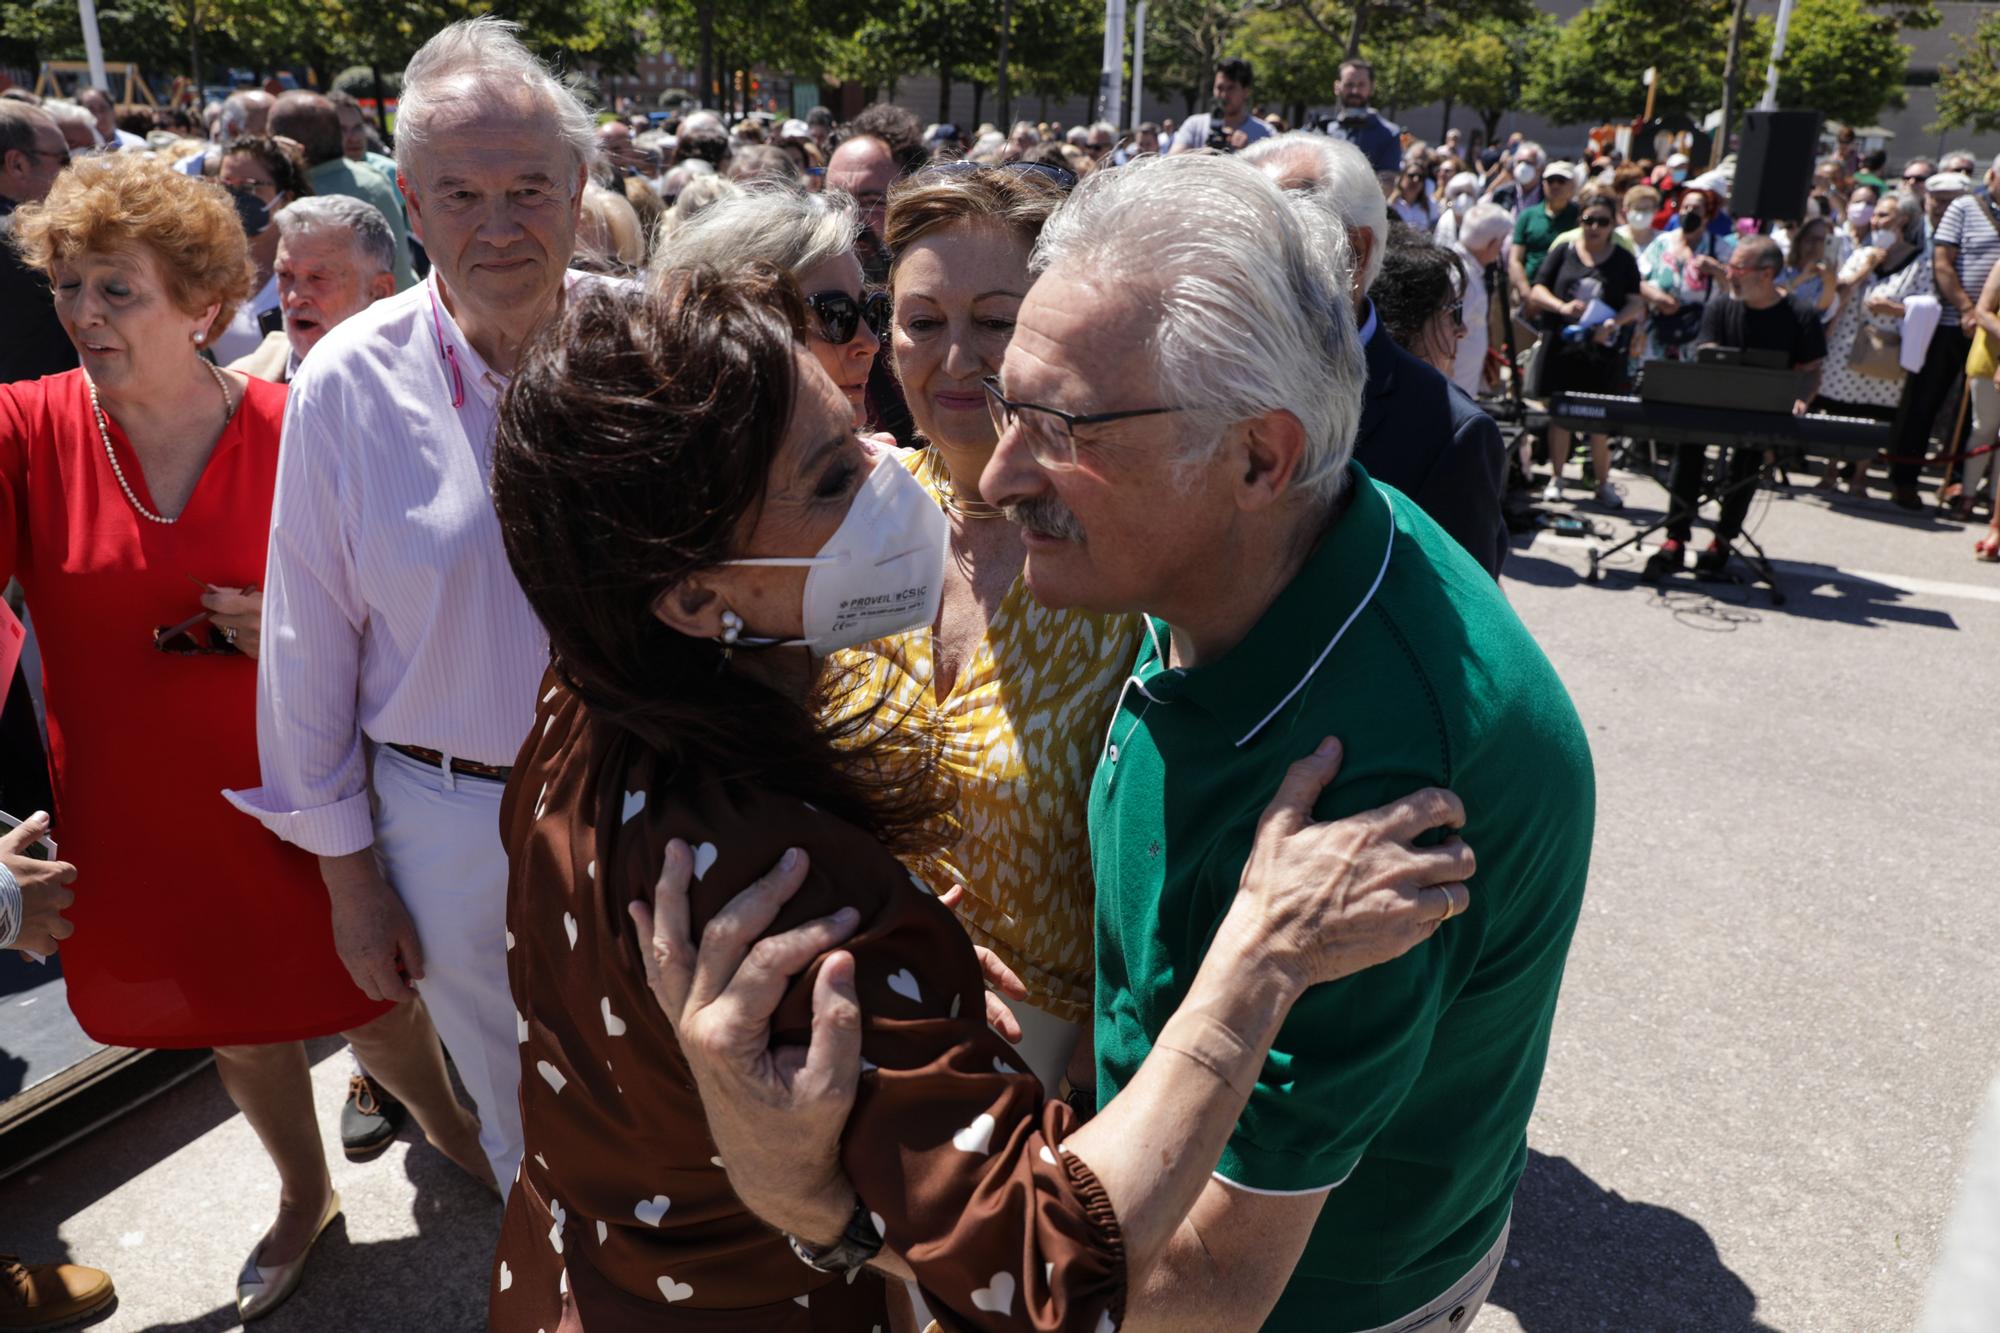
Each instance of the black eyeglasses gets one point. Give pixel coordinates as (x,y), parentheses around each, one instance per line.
(1597,222)
(1457,312)
(180,640)
(1062,176)
(1917,176)
(840,316)
(62,157)
(1050,431)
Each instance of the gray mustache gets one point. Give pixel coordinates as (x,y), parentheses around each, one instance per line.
(1046,516)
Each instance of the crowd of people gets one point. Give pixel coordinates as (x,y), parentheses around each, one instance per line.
(857,679)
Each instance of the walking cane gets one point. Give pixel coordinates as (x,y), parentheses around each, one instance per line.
(1945,483)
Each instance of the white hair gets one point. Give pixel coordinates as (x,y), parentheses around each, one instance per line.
(1106,126)
(1334,172)
(1482,223)
(374,244)
(1465,182)
(703,120)
(1529,148)
(479,59)
(64,112)
(777,224)
(1250,288)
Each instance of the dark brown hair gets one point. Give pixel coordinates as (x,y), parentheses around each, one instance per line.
(288,170)
(633,447)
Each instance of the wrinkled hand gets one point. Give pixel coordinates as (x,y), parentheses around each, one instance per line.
(999,977)
(238,610)
(1335,898)
(44,888)
(775,1113)
(372,930)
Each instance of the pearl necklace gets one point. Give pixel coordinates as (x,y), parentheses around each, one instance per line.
(104,434)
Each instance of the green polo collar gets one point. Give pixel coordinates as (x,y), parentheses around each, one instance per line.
(1254,681)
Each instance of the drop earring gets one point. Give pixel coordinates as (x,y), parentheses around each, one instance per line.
(732,629)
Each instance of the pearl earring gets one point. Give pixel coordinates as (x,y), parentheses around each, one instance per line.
(732,627)
(197,338)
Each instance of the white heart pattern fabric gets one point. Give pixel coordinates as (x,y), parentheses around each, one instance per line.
(614,1026)
(881,1227)
(674,1291)
(650,1211)
(569,928)
(976,1137)
(555,1232)
(520,1027)
(510,941)
(551,1075)
(1048,1156)
(1002,1067)
(635,801)
(904,983)
(602,1231)
(997,1296)
(506,1276)
(1104,1324)
(704,859)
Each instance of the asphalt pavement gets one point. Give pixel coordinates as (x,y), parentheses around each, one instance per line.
(1773,1039)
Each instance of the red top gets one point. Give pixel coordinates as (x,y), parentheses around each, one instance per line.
(194,926)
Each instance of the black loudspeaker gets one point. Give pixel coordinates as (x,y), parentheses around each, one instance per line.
(1774,167)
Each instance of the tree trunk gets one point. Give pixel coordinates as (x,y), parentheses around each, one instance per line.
(1005,91)
(194,55)
(1491,121)
(1444,127)
(1355,29)
(978,103)
(944,94)
(381,99)
(1729,76)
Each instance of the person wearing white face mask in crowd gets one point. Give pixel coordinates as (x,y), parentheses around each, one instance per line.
(1461,192)
(401,676)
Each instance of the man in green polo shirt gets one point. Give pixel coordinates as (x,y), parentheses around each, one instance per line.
(1371,1177)
(1537,226)
(1177,411)
(314,123)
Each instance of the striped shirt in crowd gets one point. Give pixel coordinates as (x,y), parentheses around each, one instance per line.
(1965,224)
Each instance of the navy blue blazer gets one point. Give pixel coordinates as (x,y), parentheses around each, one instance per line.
(1425,436)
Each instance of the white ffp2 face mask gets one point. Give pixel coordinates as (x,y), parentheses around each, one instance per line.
(1524,173)
(882,571)
(1884,239)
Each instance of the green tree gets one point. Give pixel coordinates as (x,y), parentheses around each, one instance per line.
(1479,65)
(1969,83)
(1593,69)
(1297,65)
(1841,58)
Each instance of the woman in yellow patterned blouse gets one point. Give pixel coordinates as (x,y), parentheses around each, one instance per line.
(1013,697)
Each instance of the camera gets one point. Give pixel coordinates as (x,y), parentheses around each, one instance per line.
(1218,131)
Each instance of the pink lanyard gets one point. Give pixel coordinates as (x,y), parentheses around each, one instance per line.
(447,352)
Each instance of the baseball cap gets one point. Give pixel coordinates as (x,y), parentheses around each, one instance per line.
(1566,170)
(1677,159)
(1949,182)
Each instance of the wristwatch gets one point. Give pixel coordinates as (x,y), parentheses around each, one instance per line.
(859,1243)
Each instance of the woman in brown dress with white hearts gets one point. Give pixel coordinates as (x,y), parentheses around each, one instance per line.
(675,475)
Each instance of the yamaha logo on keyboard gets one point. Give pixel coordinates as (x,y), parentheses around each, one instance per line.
(1585,410)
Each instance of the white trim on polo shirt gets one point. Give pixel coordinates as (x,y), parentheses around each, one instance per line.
(1327,651)
(1289,1194)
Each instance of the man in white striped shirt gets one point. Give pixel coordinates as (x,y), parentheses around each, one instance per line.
(400,663)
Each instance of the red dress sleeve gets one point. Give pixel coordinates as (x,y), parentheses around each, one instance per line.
(16,418)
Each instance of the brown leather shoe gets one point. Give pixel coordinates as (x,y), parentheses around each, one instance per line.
(39,1296)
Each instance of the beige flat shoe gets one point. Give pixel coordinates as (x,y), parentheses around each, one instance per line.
(262,1290)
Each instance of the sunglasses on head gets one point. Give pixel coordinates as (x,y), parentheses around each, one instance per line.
(840,316)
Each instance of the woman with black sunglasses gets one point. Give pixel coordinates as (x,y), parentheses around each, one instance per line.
(811,237)
(1586,301)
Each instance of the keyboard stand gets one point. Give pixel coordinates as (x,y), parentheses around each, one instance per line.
(1755,557)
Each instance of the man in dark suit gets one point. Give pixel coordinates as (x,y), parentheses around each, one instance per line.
(1419,432)
(32,153)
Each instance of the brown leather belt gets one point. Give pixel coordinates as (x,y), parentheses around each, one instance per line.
(463,767)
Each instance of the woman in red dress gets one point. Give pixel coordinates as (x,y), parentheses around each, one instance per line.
(135,503)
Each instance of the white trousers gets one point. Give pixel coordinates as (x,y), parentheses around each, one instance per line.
(437,836)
